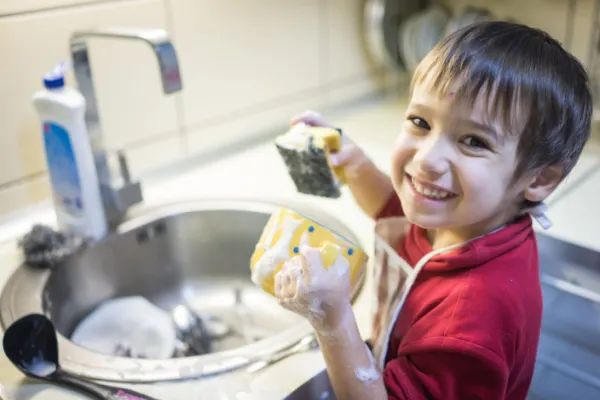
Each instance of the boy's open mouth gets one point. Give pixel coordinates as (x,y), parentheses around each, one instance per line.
(428,190)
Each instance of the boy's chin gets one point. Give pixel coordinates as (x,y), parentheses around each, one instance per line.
(428,221)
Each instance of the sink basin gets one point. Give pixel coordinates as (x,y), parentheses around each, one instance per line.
(195,253)
(317,387)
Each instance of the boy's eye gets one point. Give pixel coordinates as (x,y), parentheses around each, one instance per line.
(419,122)
(474,142)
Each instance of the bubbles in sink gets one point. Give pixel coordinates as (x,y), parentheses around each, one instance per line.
(225,314)
(215,327)
(128,327)
(134,328)
(326,395)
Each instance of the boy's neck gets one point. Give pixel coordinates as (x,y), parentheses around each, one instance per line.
(442,238)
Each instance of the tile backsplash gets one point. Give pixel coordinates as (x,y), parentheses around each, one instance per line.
(246,66)
(11,7)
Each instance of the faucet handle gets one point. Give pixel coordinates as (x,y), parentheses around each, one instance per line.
(129,193)
(123,167)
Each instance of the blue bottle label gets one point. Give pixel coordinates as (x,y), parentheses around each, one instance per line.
(62,166)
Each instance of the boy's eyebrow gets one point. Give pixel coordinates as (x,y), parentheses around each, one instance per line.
(420,106)
(488,130)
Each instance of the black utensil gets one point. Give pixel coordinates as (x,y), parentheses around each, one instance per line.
(30,343)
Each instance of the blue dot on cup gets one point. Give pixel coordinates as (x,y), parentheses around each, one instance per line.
(350,252)
(311,228)
(296,250)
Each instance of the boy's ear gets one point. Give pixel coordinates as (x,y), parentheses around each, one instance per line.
(543,183)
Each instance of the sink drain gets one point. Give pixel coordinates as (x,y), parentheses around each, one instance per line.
(196,334)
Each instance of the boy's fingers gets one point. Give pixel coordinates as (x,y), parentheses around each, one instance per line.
(349,153)
(313,259)
(304,270)
(309,117)
(302,117)
(339,158)
(292,290)
(336,159)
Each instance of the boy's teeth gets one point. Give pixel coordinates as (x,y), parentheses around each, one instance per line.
(434,194)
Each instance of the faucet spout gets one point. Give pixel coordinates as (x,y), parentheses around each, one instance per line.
(157,39)
(117,201)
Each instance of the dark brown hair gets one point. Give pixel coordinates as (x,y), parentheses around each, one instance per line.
(533,88)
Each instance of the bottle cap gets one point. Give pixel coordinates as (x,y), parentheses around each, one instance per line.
(55,79)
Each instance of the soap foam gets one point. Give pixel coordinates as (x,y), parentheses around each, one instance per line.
(367,375)
(370,374)
(290,269)
(296,137)
(341,266)
(304,239)
(276,252)
(312,295)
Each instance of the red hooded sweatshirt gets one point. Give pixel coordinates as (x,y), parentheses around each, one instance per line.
(470,325)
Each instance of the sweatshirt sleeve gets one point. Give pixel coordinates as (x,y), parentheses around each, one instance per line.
(446,368)
(392,208)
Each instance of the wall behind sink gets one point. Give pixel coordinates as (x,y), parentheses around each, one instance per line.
(247,65)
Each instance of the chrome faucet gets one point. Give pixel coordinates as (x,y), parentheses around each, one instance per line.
(118,199)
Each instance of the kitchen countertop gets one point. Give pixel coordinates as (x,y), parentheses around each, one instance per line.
(235,176)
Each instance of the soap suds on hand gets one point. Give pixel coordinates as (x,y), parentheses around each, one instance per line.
(370,374)
(367,375)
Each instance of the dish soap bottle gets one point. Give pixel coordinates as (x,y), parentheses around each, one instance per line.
(73,175)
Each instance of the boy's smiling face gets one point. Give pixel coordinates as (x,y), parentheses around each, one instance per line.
(453,166)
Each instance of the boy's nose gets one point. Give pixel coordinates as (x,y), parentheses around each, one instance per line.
(432,157)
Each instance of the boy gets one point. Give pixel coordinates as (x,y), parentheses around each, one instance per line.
(499,114)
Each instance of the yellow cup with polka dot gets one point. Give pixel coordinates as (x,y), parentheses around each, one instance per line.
(283,236)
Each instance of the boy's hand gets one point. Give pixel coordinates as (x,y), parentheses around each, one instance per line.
(370,187)
(305,287)
(350,156)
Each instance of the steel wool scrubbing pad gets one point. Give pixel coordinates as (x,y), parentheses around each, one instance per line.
(305,151)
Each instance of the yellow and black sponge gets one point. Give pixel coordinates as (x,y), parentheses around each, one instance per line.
(305,151)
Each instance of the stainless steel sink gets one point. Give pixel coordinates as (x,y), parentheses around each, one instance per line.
(195,253)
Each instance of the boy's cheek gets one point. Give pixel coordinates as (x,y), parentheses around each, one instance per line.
(402,153)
